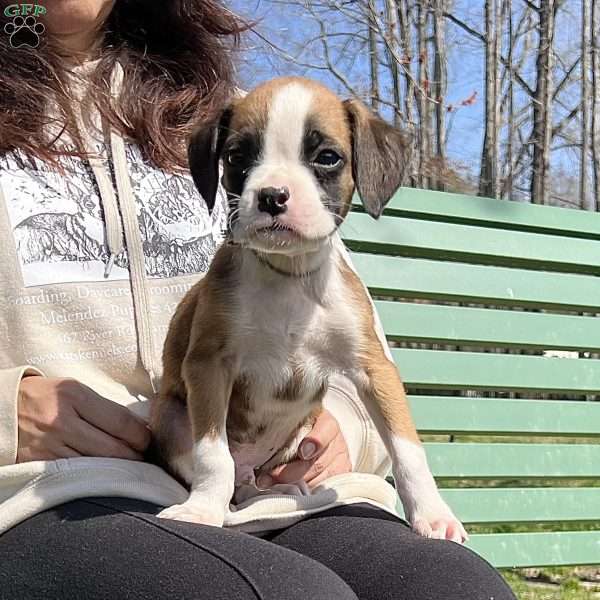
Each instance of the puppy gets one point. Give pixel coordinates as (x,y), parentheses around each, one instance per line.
(250,348)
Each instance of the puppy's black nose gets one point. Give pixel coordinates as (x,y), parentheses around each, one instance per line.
(272,200)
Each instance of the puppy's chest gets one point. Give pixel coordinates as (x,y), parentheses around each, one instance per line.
(286,347)
(289,341)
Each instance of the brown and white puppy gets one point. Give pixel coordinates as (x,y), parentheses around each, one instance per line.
(250,348)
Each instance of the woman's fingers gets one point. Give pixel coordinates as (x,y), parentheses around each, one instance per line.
(62,418)
(340,464)
(112,418)
(324,431)
(333,461)
(82,437)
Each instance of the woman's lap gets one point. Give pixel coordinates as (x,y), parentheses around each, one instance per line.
(117,548)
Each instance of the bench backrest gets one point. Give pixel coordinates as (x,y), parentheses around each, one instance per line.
(473,293)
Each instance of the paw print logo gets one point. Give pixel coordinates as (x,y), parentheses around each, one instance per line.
(24,31)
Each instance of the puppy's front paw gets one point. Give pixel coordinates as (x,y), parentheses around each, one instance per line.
(446,527)
(193,513)
(434,519)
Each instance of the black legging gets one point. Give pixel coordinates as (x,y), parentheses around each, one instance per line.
(109,548)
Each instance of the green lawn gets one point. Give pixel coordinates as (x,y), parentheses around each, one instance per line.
(554,584)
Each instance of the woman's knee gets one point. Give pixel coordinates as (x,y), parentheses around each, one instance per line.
(444,569)
(382,558)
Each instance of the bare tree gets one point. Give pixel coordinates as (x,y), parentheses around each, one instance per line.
(439,88)
(422,92)
(595,43)
(392,50)
(405,15)
(507,188)
(488,178)
(541,134)
(586,101)
(373,54)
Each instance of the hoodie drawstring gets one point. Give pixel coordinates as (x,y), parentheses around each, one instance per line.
(135,252)
(117,206)
(114,235)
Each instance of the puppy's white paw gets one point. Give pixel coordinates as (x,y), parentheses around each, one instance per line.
(193,513)
(438,522)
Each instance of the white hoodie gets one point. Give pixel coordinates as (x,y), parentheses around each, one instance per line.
(92,265)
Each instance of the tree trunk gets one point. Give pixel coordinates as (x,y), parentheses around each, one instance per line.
(584,199)
(542,106)
(404,19)
(595,25)
(488,177)
(510,121)
(405,13)
(393,53)
(439,88)
(373,56)
(422,94)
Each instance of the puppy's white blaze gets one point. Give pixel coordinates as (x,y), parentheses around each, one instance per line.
(286,119)
(281,164)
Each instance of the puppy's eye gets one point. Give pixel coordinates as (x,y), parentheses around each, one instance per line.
(328,159)
(237,159)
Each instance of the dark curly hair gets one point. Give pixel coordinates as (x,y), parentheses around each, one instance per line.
(178,70)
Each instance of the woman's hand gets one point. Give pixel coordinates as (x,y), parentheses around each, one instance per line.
(324,453)
(62,418)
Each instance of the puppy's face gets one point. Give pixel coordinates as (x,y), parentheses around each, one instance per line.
(292,155)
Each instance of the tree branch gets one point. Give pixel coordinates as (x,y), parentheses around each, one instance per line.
(566,78)
(466,27)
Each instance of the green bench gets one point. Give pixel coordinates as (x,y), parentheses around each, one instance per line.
(471,292)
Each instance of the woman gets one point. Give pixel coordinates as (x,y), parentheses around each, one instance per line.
(102,233)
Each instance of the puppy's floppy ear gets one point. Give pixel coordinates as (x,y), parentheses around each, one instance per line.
(381,157)
(204,153)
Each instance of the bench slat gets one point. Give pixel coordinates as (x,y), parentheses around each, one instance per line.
(480,245)
(455,414)
(524,505)
(538,549)
(430,323)
(514,461)
(458,282)
(476,370)
(427,204)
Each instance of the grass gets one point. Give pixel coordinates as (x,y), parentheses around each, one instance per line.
(549,584)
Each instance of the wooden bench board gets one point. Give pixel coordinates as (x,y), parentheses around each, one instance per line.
(436,324)
(505,417)
(403,277)
(478,245)
(497,214)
